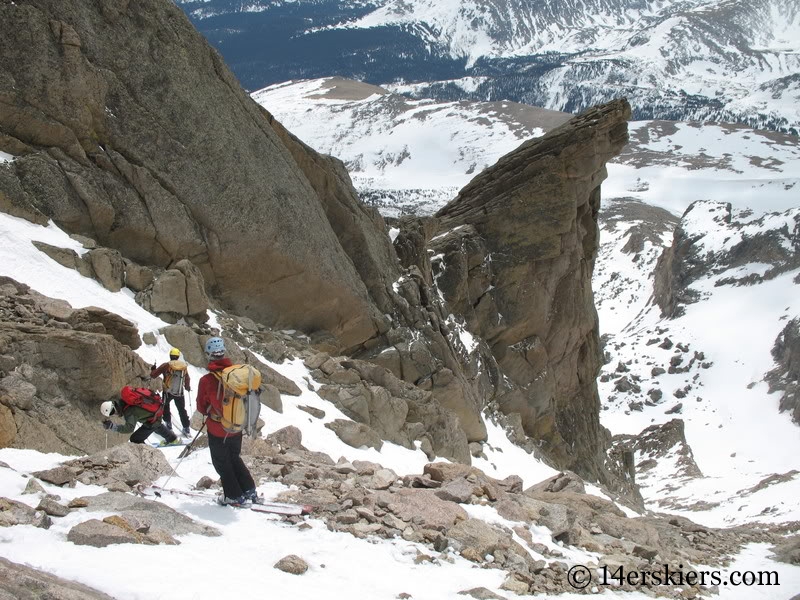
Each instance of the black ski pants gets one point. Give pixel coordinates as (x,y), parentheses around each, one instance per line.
(144,431)
(230,467)
(180,404)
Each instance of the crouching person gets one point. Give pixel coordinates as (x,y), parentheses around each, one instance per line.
(138,406)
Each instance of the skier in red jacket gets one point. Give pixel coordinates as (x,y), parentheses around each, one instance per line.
(238,486)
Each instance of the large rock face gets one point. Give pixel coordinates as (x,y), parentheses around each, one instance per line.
(785,377)
(128,128)
(516,251)
(131,130)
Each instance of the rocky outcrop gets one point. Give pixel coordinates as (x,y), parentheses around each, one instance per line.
(642,459)
(23,582)
(128,128)
(785,377)
(16,513)
(712,239)
(514,256)
(57,365)
(176,293)
(390,408)
(439,509)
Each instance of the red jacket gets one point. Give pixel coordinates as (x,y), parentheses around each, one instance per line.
(209,397)
(165,368)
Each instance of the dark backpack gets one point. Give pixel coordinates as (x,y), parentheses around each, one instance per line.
(143,398)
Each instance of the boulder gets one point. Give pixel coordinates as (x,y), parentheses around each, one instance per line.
(147,514)
(459,491)
(168,294)
(108,267)
(354,434)
(287,438)
(292,564)
(422,507)
(197,302)
(137,277)
(187,340)
(271,398)
(16,513)
(59,476)
(115,530)
(565,481)
(52,508)
(67,257)
(23,582)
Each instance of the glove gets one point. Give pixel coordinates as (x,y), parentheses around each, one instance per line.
(109,425)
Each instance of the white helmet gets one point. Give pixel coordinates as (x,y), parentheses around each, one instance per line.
(107,408)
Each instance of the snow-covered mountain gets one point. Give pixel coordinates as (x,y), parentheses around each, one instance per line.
(679,60)
(403,155)
(696,289)
(728,461)
(407,156)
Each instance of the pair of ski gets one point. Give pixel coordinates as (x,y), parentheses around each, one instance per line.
(163,444)
(276,508)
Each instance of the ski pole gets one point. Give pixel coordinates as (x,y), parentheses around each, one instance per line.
(188,450)
(184,453)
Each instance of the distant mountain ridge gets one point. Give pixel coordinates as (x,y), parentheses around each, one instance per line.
(677,60)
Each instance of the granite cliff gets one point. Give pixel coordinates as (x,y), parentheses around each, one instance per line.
(126,127)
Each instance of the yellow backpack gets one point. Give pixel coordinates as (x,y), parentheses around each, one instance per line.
(241,402)
(173,378)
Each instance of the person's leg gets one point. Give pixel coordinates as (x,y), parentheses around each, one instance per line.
(167,417)
(243,476)
(221,459)
(165,432)
(180,404)
(141,434)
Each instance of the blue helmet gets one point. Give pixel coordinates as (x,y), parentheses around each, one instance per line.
(215,347)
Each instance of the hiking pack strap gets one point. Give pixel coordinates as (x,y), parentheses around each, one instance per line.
(213,415)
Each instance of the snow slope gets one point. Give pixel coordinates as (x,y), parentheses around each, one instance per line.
(391,143)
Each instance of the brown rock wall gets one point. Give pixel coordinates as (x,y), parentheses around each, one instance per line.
(519,248)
